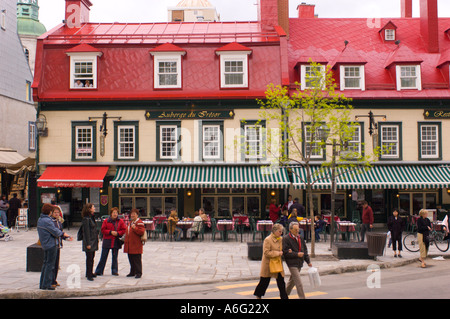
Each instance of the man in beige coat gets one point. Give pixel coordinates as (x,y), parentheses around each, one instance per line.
(272,248)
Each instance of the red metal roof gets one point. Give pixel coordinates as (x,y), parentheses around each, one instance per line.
(160,33)
(84,47)
(325,38)
(234,46)
(167,47)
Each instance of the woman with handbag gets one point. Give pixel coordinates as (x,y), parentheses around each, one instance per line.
(112,229)
(134,243)
(423,233)
(271,264)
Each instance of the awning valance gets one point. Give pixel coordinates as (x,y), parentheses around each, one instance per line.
(200,177)
(377,177)
(73,176)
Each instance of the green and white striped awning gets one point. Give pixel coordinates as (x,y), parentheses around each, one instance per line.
(200,177)
(377,177)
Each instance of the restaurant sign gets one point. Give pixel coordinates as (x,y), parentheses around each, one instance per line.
(188,115)
(436,114)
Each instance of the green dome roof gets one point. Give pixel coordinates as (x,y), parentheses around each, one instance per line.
(30,27)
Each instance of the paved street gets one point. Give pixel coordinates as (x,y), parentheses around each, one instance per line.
(166,264)
(391,283)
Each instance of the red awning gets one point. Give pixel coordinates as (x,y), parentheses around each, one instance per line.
(73,176)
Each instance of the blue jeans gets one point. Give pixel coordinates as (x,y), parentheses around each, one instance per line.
(104,257)
(48,268)
(4,218)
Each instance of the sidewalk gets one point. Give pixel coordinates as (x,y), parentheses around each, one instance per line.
(165,264)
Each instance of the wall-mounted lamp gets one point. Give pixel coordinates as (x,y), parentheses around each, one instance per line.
(104,118)
(372,124)
(273,193)
(448,191)
(189,193)
(41,125)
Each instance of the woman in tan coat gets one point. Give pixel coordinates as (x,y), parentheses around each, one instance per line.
(272,248)
(133,244)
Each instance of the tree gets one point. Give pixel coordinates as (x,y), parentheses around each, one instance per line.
(303,116)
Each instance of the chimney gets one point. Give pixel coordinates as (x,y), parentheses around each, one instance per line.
(77,12)
(306,10)
(406,8)
(429,25)
(273,13)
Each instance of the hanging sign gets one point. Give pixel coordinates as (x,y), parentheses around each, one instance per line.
(188,115)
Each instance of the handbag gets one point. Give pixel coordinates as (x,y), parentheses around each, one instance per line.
(314,278)
(144,237)
(275,265)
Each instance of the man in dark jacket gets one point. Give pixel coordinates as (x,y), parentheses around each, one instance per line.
(14,205)
(295,253)
(300,208)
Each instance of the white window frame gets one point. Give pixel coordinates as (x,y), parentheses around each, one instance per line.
(417,77)
(161,57)
(234,56)
(387,143)
(32,133)
(216,142)
(161,142)
(120,142)
(304,70)
(77,142)
(433,141)
(355,144)
(361,77)
(309,143)
(389,34)
(84,57)
(258,142)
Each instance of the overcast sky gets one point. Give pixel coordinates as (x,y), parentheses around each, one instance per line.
(52,11)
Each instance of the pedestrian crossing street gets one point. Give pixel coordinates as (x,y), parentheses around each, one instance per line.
(246,290)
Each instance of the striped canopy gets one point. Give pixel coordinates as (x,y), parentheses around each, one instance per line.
(200,177)
(377,177)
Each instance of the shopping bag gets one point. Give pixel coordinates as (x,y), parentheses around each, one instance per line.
(275,265)
(314,278)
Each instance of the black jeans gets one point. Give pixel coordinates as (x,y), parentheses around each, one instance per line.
(135,264)
(264,283)
(89,263)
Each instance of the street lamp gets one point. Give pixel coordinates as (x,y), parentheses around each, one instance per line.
(41,125)
(372,124)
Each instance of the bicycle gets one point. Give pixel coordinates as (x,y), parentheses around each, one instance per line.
(411,242)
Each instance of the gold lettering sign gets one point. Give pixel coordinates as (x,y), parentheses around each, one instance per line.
(436,114)
(189,115)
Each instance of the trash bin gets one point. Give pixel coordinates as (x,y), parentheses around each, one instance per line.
(35,258)
(376,242)
(255,250)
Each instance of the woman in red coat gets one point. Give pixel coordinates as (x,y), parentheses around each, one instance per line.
(112,229)
(133,244)
(274,211)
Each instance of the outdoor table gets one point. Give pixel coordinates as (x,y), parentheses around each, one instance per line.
(225,226)
(242,221)
(149,226)
(264,226)
(185,225)
(327,218)
(346,227)
(158,219)
(306,226)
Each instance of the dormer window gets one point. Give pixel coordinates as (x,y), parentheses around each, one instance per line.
(167,66)
(352,77)
(408,77)
(312,76)
(83,66)
(389,34)
(234,65)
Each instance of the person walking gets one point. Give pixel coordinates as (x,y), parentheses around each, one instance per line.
(49,236)
(295,253)
(272,250)
(395,225)
(366,219)
(423,233)
(14,205)
(113,228)
(90,238)
(133,244)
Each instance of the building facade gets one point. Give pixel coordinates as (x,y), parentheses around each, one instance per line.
(156,116)
(17,111)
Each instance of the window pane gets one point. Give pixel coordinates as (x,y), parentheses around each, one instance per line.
(253,139)
(168,73)
(170,203)
(126,204)
(83,146)
(126,142)
(223,206)
(253,207)
(234,72)
(168,141)
(208,205)
(141,205)
(211,141)
(238,205)
(155,206)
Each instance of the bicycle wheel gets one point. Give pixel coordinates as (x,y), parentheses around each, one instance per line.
(441,244)
(411,243)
